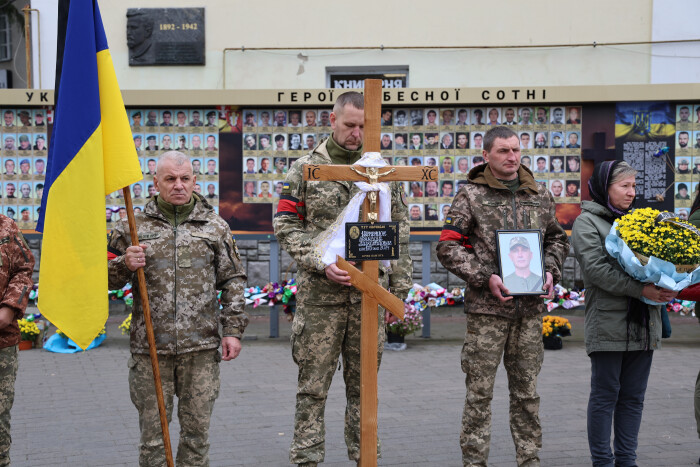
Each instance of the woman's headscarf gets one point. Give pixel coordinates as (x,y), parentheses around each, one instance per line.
(598,186)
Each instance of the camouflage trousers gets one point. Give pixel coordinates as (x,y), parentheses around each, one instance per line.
(8,373)
(194,378)
(320,334)
(520,343)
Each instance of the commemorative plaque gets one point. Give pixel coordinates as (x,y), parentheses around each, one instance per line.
(365,241)
(165,36)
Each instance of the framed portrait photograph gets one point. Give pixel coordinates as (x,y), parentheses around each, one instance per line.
(520,261)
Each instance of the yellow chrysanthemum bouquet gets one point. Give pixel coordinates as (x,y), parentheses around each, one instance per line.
(553,329)
(656,247)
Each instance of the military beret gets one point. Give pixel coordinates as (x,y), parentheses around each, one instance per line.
(24,161)
(150,137)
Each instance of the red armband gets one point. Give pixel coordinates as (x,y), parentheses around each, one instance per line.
(289,206)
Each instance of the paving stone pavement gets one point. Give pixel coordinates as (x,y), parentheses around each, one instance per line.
(74,410)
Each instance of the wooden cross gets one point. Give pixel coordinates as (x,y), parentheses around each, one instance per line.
(367,280)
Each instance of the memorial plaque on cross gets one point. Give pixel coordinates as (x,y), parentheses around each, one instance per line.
(367,280)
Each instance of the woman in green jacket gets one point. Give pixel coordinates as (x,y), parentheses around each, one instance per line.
(620,332)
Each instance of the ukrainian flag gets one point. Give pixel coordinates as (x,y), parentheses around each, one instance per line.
(91,155)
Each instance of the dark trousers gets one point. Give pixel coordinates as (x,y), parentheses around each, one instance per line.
(618,384)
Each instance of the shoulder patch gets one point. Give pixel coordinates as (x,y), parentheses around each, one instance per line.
(448,220)
(286,188)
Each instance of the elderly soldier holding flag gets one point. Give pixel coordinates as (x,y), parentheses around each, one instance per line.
(327,323)
(501,194)
(188,254)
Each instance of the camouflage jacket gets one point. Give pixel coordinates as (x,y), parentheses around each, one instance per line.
(467,246)
(16,266)
(307,209)
(185,265)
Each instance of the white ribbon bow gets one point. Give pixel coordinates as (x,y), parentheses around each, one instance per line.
(332,241)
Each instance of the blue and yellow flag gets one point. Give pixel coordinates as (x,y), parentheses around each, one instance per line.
(91,155)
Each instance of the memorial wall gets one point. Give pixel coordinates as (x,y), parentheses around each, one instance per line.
(241,153)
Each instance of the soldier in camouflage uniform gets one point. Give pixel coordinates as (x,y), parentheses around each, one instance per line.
(16,266)
(501,194)
(327,322)
(188,254)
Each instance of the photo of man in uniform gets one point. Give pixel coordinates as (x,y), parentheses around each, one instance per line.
(25,118)
(684,114)
(9,143)
(39,118)
(24,143)
(557,141)
(24,167)
(196,119)
(211,118)
(522,280)
(138,142)
(683,139)
(264,142)
(211,143)
(167,143)
(211,168)
(151,143)
(197,142)
(181,118)
(136,118)
(39,167)
(431,141)
(10,167)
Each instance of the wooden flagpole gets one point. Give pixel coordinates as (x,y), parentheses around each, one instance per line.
(149,331)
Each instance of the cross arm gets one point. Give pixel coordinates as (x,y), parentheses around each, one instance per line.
(363,283)
(401,173)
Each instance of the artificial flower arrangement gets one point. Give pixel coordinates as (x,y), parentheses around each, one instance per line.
(553,329)
(565,298)
(656,247)
(411,322)
(432,295)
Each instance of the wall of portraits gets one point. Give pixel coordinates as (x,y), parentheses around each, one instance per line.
(193,131)
(24,134)
(450,138)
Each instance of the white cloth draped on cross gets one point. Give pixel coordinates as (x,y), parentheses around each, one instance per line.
(332,241)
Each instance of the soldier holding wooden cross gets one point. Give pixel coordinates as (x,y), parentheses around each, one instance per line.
(327,322)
